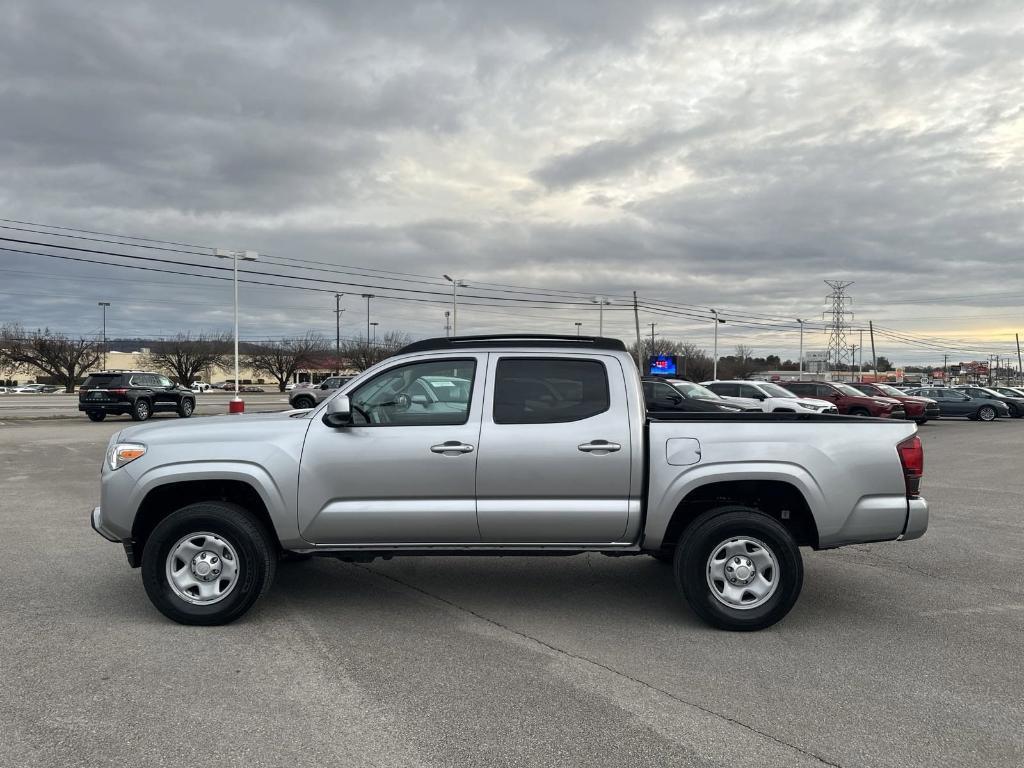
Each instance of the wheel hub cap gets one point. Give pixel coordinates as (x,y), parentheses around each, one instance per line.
(202,568)
(742,572)
(206,565)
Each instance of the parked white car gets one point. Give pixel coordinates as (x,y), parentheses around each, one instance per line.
(27,389)
(200,386)
(770,396)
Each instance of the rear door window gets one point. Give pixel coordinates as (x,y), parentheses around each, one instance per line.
(549,390)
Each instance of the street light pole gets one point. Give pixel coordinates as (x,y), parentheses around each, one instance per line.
(236,405)
(652,337)
(374,324)
(104,304)
(601,302)
(456,284)
(368,296)
(801,347)
(714,374)
(337,333)
(578,326)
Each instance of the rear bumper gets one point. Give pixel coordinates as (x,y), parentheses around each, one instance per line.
(917,519)
(117,408)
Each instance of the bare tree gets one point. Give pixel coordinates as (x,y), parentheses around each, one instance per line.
(63,358)
(282,359)
(185,355)
(362,355)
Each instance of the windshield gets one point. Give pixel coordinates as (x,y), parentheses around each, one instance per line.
(846,389)
(885,389)
(696,391)
(774,390)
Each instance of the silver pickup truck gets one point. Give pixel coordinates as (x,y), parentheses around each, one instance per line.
(502,445)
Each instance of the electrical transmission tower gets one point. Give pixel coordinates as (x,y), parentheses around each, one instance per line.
(838,318)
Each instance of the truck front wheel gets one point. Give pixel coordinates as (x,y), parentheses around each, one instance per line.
(738,568)
(207,563)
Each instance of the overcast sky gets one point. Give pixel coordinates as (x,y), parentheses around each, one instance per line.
(728,155)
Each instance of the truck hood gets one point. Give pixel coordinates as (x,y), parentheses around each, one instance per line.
(234,427)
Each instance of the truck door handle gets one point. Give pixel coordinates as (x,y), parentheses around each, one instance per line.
(599,446)
(451,447)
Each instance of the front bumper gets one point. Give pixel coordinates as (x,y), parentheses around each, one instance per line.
(131,551)
(97,525)
(917,519)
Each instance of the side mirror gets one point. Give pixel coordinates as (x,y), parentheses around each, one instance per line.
(324,385)
(339,412)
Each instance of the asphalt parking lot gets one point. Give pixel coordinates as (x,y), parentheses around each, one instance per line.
(897,654)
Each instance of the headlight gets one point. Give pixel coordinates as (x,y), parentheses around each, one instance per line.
(124,453)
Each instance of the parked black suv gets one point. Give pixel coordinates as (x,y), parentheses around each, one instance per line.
(138,394)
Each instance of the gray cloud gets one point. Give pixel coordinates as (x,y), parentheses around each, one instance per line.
(712,153)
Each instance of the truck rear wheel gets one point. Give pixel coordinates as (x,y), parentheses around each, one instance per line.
(738,569)
(207,563)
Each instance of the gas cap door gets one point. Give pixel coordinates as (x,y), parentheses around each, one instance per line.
(680,451)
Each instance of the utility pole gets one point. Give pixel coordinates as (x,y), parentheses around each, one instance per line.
(801,347)
(714,374)
(853,357)
(104,304)
(1020,366)
(368,296)
(337,333)
(945,369)
(652,337)
(874,358)
(578,326)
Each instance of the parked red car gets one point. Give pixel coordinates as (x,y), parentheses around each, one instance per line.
(849,400)
(919,409)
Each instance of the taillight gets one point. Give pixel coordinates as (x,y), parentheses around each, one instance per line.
(119,391)
(912,458)
(82,390)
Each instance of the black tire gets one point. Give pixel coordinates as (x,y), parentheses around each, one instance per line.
(859,412)
(257,561)
(141,409)
(186,407)
(921,422)
(986,413)
(708,535)
(96,415)
(303,402)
